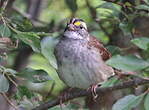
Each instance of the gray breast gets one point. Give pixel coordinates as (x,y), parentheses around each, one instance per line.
(79,66)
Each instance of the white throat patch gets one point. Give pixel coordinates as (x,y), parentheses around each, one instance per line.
(73,35)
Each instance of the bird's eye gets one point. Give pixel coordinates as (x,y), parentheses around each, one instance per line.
(81,27)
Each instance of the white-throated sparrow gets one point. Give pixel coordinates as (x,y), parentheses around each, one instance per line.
(81,57)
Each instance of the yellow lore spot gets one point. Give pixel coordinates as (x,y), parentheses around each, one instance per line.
(77,23)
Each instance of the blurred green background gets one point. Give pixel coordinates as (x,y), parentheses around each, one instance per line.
(29,30)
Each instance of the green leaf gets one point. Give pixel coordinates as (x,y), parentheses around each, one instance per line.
(126,28)
(110,82)
(127,63)
(21,23)
(4,84)
(147,1)
(142,7)
(36,80)
(99,35)
(26,24)
(113,49)
(26,104)
(70,106)
(47,49)
(142,42)
(128,102)
(146,102)
(72,5)
(37,62)
(23,91)
(108,5)
(36,76)
(30,39)
(111,9)
(4,31)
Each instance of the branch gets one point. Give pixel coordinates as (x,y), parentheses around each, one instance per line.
(9,101)
(100,91)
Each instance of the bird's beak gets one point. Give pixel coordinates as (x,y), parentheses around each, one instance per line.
(71,27)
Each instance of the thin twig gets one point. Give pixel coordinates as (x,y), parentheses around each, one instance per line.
(100,91)
(7,99)
(12,81)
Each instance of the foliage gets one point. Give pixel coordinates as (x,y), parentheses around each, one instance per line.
(128,102)
(38,81)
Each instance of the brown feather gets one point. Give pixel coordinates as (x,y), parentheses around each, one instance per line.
(93,42)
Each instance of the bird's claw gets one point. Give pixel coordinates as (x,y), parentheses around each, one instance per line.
(93,91)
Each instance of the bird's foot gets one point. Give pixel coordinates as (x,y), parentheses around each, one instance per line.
(93,91)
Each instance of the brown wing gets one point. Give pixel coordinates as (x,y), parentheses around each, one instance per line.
(97,44)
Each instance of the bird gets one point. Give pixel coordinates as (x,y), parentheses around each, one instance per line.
(81,57)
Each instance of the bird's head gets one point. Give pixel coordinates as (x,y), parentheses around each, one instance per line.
(76,28)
